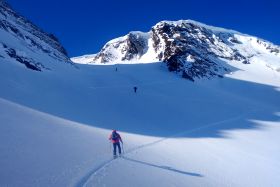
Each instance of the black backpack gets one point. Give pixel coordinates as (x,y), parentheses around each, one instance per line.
(115,136)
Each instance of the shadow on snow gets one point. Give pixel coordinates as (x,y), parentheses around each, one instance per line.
(167,168)
(164,105)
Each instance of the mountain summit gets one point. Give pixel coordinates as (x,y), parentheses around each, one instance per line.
(193,49)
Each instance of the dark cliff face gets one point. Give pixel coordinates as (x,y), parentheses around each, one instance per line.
(22,34)
(129,47)
(192,49)
(136,46)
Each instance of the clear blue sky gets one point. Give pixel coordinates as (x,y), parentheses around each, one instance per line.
(84,26)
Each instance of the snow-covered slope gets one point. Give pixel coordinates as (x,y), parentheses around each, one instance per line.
(54,126)
(24,43)
(219,132)
(191,48)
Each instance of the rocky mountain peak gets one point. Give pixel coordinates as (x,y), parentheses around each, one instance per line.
(193,49)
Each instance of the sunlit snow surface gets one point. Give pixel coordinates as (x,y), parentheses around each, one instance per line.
(220,132)
(54,124)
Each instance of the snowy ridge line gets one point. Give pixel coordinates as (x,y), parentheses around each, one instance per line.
(188,48)
(83,182)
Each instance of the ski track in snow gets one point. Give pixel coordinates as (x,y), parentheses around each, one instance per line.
(84,181)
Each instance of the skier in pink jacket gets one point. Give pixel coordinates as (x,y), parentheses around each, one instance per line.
(115,138)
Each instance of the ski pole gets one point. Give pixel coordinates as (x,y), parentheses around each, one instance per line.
(122,148)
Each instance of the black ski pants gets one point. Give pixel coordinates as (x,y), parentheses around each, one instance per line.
(115,145)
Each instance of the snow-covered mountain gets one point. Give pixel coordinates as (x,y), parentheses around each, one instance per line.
(194,49)
(54,126)
(25,43)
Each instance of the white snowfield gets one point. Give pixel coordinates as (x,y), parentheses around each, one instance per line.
(54,126)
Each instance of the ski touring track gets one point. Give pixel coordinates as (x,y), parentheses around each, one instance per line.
(84,180)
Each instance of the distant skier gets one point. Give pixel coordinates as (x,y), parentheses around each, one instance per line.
(135,89)
(116,139)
